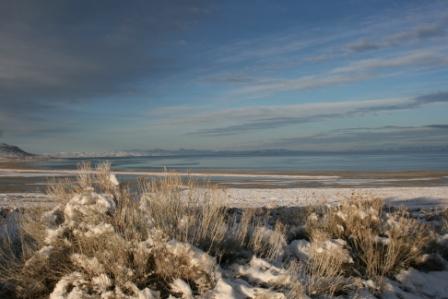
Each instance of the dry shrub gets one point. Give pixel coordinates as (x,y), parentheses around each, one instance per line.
(324,272)
(184,261)
(251,230)
(64,189)
(268,243)
(297,290)
(101,239)
(184,211)
(104,177)
(11,249)
(21,238)
(197,215)
(380,243)
(61,190)
(408,238)
(351,216)
(95,243)
(444,222)
(85,177)
(241,228)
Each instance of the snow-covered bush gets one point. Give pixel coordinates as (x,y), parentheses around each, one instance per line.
(380,242)
(103,242)
(174,239)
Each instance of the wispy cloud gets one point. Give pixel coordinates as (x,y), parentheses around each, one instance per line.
(69,68)
(423,26)
(418,33)
(411,41)
(426,58)
(261,118)
(363,45)
(355,71)
(372,138)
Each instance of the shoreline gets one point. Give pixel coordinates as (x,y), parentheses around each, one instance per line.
(71,172)
(26,180)
(26,187)
(398,174)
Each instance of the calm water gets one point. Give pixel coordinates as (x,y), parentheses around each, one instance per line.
(344,170)
(278,163)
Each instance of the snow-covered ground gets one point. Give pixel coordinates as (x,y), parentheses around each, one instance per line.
(409,196)
(83,216)
(413,197)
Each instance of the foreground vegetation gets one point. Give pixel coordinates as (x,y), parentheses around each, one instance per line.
(173,239)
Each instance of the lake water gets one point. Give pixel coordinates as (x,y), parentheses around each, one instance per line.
(277,163)
(349,170)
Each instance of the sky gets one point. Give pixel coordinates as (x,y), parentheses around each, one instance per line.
(230,75)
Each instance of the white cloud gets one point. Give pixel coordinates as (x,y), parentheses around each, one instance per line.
(370,138)
(240,120)
(424,58)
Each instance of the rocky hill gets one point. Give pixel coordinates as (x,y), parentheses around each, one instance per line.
(13,152)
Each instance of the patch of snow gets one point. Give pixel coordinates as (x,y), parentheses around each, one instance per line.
(69,287)
(113,179)
(90,265)
(197,258)
(241,289)
(99,230)
(300,249)
(181,287)
(392,290)
(261,272)
(54,217)
(101,283)
(52,235)
(432,284)
(341,215)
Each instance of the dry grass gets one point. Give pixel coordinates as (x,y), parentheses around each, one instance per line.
(184,211)
(444,222)
(197,215)
(20,240)
(380,242)
(268,243)
(168,238)
(62,190)
(102,239)
(85,177)
(120,248)
(324,271)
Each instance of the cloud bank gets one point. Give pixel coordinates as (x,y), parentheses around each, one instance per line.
(433,137)
(260,118)
(419,33)
(57,53)
(84,74)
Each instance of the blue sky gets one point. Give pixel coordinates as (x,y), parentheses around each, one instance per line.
(305,75)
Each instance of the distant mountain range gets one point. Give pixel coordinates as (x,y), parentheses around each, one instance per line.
(13,152)
(229,153)
(165,153)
